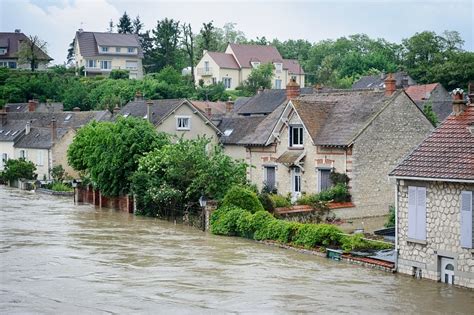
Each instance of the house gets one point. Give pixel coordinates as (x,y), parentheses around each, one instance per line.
(178,117)
(435,201)
(100,53)
(377,81)
(11,44)
(42,137)
(433,94)
(34,106)
(233,66)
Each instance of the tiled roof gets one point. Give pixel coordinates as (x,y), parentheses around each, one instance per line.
(159,109)
(264,102)
(89,42)
(39,138)
(262,53)
(289,157)
(217,108)
(293,66)
(446,154)
(421,91)
(224,60)
(336,117)
(11,41)
(377,81)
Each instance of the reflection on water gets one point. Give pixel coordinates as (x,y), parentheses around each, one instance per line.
(60,258)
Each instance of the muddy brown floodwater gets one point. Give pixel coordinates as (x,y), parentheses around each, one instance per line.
(56,257)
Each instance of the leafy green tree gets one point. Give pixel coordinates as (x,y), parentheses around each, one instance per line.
(188,43)
(16,169)
(166,41)
(137,25)
(76,95)
(124,25)
(70,52)
(58,173)
(32,51)
(109,152)
(212,92)
(260,77)
(430,114)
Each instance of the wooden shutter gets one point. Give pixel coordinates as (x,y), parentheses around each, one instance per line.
(412,212)
(421,213)
(467,237)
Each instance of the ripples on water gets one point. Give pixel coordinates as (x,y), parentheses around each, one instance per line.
(60,258)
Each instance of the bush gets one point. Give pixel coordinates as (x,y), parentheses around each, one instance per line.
(267,202)
(391,217)
(281,201)
(310,235)
(16,169)
(224,220)
(338,178)
(357,242)
(58,186)
(341,193)
(243,198)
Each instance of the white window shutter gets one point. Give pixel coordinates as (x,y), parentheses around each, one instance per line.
(421,213)
(412,212)
(467,237)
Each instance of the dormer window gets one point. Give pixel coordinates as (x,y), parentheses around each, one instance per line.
(255,64)
(131,50)
(117,49)
(3,51)
(104,49)
(278,67)
(295,136)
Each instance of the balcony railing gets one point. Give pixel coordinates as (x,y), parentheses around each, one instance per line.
(204,71)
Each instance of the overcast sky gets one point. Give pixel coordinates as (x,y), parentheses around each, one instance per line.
(56,21)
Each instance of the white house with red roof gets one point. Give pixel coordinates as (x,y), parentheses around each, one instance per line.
(233,66)
(435,200)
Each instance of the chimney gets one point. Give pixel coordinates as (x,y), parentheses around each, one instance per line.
(459,103)
(53,130)
(32,105)
(292,90)
(260,90)
(116,110)
(28,127)
(470,92)
(229,105)
(208,111)
(80,30)
(17,30)
(138,96)
(3,118)
(76,109)
(390,85)
(405,80)
(382,75)
(149,114)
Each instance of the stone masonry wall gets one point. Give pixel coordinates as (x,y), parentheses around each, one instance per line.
(383,144)
(443,234)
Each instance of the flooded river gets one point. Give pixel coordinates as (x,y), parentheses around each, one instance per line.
(56,257)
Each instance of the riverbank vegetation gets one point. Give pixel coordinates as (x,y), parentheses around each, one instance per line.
(15,169)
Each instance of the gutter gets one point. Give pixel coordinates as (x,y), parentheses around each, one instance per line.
(396,226)
(434,179)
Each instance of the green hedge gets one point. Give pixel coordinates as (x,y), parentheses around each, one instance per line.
(261,225)
(242,197)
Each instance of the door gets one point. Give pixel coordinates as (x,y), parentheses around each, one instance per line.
(447,270)
(295,183)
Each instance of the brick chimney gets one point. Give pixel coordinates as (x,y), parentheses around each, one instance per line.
(292,90)
(229,105)
(138,96)
(3,118)
(28,127)
(32,105)
(149,113)
(470,92)
(405,80)
(76,109)
(116,110)
(390,85)
(53,130)
(208,110)
(459,103)
(260,90)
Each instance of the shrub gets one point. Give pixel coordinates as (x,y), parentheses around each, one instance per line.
(338,178)
(243,198)
(267,202)
(391,217)
(244,225)
(16,169)
(281,201)
(357,242)
(341,193)
(308,200)
(310,235)
(224,221)
(58,186)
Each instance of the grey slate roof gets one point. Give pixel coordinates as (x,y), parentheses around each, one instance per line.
(41,107)
(11,41)
(63,119)
(335,118)
(263,103)
(39,138)
(160,108)
(12,130)
(89,42)
(377,81)
(241,127)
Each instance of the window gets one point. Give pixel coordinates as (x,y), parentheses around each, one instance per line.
(39,158)
(4,64)
(467,219)
(91,63)
(3,51)
(22,154)
(227,82)
(214,80)
(131,65)
(117,49)
(296,136)
(417,213)
(270,178)
(68,117)
(255,64)
(4,159)
(206,66)
(228,132)
(277,84)
(131,50)
(278,67)
(293,77)
(104,49)
(106,64)
(12,64)
(324,180)
(183,123)
(296,180)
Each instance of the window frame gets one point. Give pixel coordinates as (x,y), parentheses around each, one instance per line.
(105,61)
(417,229)
(265,175)
(40,158)
(94,62)
(291,129)
(188,118)
(23,154)
(131,50)
(466,210)
(278,86)
(104,49)
(227,82)
(278,67)
(118,49)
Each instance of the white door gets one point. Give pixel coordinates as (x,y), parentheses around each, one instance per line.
(447,270)
(295,183)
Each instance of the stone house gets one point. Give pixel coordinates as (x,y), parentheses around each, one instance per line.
(11,44)
(100,53)
(435,200)
(233,66)
(433,94)
(178,117)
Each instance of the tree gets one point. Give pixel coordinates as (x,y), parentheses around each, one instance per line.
(430,114)
(16,169)
(232,35)
(166,40)
(70,51)
(58,173)
(109,152)
(209,38)
(260,77)
(111,27)
(124,25)
(137,25)
(32,51)
(188,42)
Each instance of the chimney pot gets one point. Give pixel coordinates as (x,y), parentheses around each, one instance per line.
(470,92)
(229,105)
(149,113)
(138,96)
(17,30)
(32,105)
(116,110)
(390,85)
(28,127)
(208,111)
(292,90)
(76,109)
(459,103)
